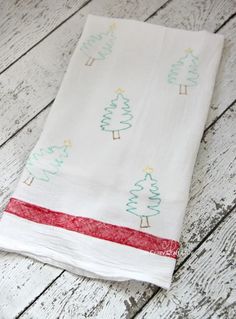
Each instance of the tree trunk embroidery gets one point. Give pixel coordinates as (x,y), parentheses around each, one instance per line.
(45,162)
(145,199)
(117,116)
(116,135)
(184,72)
(90,61)
(99,45)
(144,222)
(183,89)
(29,180)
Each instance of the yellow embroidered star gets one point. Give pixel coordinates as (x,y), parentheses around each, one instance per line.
(67,143)
(148,170)
(120,90)
(189,50)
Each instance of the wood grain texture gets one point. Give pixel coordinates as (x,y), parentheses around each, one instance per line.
(24,23)
(225,86)
(28,280)
(215,166)
(32,83)
(213,191)
(205,286)
(195,14)
(77,297)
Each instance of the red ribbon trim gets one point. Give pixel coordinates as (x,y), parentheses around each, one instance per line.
(91,227)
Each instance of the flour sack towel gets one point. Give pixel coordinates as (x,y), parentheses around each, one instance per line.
(104,190)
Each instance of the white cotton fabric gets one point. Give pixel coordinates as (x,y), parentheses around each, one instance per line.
(99,172)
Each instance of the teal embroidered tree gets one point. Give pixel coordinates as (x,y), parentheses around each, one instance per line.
(117,116)
(184,72)
(46,162)
(98,46)
(145,198)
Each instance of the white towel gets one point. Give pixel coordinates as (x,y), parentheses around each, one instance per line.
(104,191)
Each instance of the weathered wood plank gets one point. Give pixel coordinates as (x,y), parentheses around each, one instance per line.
(33,81)
(212,192)
(215,166)
(29,273)
(77,297)
(24,23)
(194,14)
(205,286)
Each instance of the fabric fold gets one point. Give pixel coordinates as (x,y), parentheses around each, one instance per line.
(104,191)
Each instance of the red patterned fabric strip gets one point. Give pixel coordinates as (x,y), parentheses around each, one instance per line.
(91,227)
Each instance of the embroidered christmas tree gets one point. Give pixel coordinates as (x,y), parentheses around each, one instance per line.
(99,45)
(45,162)
(145,198)
(117,116)
(184,72)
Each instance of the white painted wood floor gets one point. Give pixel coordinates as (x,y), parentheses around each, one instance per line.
(37,39)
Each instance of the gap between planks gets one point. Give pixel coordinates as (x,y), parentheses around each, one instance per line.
(44,37)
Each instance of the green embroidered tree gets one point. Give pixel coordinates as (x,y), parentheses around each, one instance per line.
(46,162)
(98,46)
(145,199)
(117,116)
(184,72)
